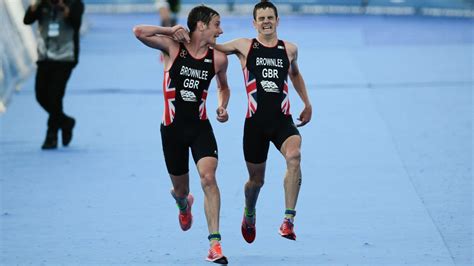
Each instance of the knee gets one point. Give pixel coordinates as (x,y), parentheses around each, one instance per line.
(293,158)
(256,181)
(208,180)
(180,191)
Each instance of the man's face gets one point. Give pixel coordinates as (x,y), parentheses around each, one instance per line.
(213,29)
(265,21)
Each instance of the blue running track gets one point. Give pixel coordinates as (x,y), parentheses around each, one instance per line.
(387,159)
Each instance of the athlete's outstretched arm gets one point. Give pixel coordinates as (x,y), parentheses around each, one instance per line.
(299,84)
(239,47)
(223,91)
(161,38)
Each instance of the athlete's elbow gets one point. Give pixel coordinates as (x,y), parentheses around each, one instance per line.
(224,89)
(295,76)
(293,73)
(137,30)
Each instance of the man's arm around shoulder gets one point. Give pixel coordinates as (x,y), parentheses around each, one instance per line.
(236,46)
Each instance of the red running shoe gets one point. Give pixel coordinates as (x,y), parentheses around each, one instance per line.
(186,218)
(215,254)
(286,230)
(248,230)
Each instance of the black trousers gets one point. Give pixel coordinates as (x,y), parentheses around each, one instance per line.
(50,87)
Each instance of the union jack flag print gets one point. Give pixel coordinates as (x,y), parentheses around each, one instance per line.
(285,103)
(251,87)
(202,106)
(169,93)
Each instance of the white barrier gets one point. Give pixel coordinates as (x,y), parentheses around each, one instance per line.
(17,49)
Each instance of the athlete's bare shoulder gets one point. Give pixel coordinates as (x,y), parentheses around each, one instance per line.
(220,60)
(290,47)
(291,50)
(219,56)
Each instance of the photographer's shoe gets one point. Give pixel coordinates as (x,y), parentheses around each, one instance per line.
(51,141)
(66,131)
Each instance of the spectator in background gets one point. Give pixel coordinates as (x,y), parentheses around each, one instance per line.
(59,22)
(168,10)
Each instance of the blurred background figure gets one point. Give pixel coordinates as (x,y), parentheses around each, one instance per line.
(168,10)
(59,22)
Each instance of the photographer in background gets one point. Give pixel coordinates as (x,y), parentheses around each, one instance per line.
(59,22)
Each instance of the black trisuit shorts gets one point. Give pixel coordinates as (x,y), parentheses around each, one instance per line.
(177,138)
(259,133)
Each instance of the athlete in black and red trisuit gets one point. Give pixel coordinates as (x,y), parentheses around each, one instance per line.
(268,114)
(189,68)
(185,124)
(267,62)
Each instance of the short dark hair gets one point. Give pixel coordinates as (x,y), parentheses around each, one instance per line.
(264,4)
(200,13)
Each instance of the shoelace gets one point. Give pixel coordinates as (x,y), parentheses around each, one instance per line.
(287,225)
(249,225)
(187,212)
(215,251)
